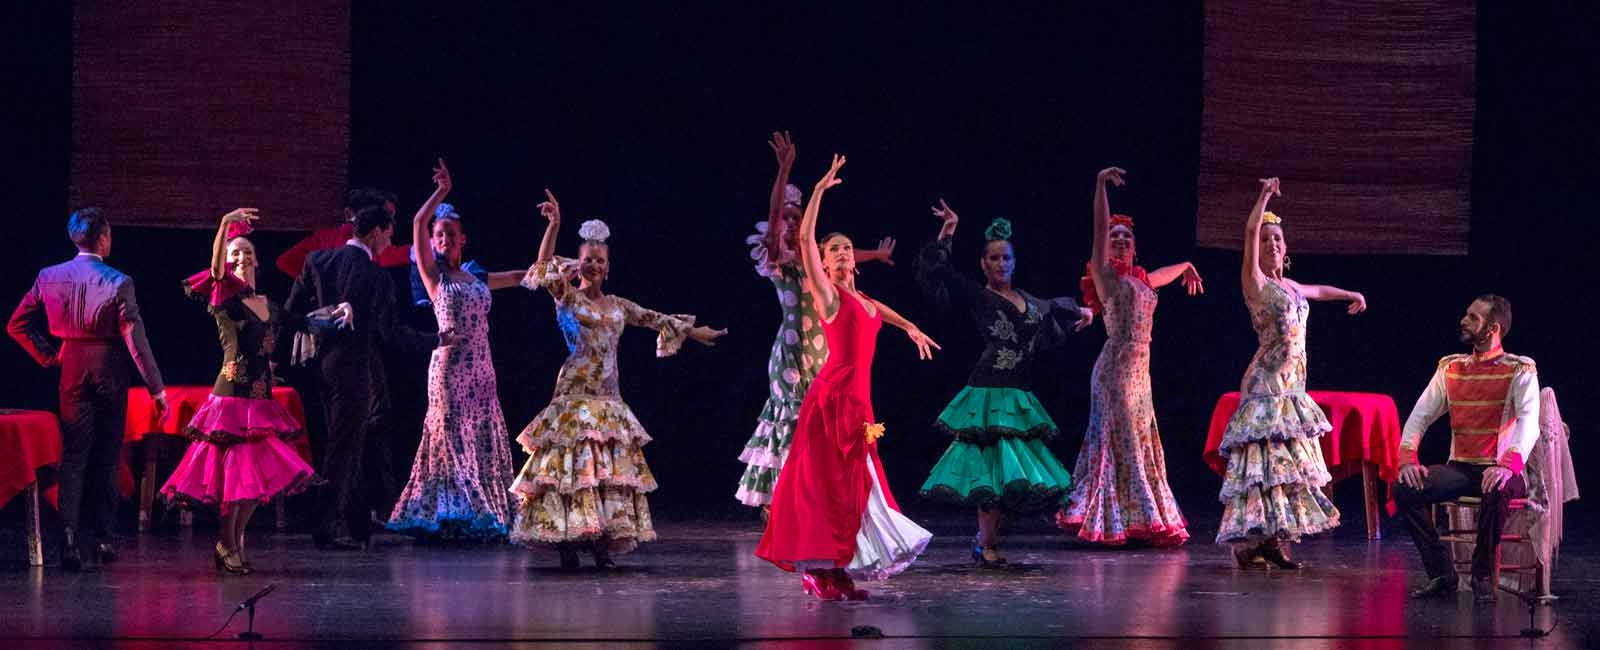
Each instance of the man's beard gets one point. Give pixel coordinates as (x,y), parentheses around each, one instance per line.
(1471,337)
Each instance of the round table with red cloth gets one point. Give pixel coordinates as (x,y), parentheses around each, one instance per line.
(29,441)
(1365,439)
(182,402)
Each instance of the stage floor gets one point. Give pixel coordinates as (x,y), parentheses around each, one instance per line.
(700,585)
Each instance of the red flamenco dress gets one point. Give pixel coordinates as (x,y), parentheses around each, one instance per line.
(832,514)
(238,453)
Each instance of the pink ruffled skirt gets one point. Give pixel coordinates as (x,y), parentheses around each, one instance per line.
(238,455)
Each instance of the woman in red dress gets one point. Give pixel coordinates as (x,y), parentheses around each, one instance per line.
(832,515)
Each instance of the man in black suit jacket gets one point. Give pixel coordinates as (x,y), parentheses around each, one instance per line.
(352,380)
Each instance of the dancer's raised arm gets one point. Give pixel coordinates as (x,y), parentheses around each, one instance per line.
(1100,270)
(427,265)
(219,246)
(822,289)
(925,344)
(783,149)
(1330,293)
(1250,276)
(551,210)
(1191,277)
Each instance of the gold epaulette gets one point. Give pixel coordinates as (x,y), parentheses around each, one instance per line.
(1452,359)
(1523,364)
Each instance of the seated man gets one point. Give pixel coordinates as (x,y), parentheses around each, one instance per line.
(1493,400)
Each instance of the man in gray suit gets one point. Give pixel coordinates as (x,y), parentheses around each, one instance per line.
(81,315)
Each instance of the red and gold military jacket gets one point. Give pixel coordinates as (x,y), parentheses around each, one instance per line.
(1493,401)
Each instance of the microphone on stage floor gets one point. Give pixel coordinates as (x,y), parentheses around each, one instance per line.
(251,601)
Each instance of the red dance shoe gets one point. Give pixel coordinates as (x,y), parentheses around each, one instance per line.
(817,584)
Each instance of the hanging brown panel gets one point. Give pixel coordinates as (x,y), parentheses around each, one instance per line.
(1363,107)
(184,109)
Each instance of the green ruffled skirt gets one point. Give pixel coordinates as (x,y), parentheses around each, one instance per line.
(998,457)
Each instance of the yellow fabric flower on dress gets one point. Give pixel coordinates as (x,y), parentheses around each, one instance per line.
(874,431)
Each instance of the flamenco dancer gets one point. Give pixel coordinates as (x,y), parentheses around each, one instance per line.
(833,517)
(460,485)
(800,348)
(1272,489)
(238,459)
(1121,491)
(585,481)
(998,462)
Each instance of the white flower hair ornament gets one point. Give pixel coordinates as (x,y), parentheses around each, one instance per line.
(791,195)
(446,211)
(594,230)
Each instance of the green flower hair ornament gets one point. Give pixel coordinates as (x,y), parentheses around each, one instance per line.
(998,230)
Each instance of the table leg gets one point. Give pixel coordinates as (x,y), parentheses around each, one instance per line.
(283,516)
(185,517)
(35,544)
(147,483)
(1369,488)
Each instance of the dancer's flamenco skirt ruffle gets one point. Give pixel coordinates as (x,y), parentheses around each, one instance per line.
(1273,485)
(585,478)
(238,455)
(998,457)
(455,499)
(887,542)
(766,451)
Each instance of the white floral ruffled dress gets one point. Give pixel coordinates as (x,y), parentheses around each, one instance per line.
(586,476)
(1272,487)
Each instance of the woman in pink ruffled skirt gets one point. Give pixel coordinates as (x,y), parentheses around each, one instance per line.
(238,458)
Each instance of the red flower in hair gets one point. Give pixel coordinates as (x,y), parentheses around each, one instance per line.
(238,229)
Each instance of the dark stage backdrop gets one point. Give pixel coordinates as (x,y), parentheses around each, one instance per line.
(656,119)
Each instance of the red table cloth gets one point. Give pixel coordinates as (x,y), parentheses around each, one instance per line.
(29,440)
(1366,428)
(183,401)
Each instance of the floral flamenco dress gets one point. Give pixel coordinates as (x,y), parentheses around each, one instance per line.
(586,477)
(998,456)
(797,352)
(1272,487)
(1121,490)
(237,452)
(460,481)
(832,508)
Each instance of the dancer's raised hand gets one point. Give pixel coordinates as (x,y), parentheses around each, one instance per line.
(441,179)
(783,148)
(885,251)
(948,217)
(831,178)
(1111,175)
(550,209)
(240,215)
(1271,186)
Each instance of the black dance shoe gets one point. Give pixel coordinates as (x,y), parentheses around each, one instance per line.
(1273,553)
(106,553)
(986,556)
(1483,590)
(71,558)
(1440,587)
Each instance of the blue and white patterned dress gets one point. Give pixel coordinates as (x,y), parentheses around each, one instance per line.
(461,478)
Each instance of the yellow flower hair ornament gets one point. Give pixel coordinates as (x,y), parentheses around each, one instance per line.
(874,431)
